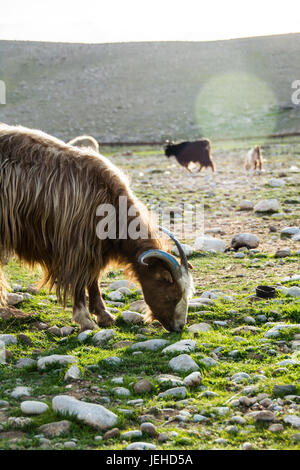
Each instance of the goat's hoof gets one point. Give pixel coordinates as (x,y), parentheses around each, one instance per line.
(88,325)
(106,319)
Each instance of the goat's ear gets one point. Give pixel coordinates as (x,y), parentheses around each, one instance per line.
(190,265)
(164,275)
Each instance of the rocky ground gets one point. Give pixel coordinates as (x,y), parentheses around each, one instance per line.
(229,381)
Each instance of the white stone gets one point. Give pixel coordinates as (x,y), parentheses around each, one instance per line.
(199,328)
(8,339)
(83,336)
(20,391)
(170,379)
(248,240)
(89,413)
(267,205)
(132,317)
(141,446)
(290,231)
(149,345)
(14,299)
(121,391)
(293,420)
(276,183)
(188,250)
(193,379)
(115,295)
(205,243)
(209,362)
(117,380)
(293,291)
(33,407)
(73,373)
(135,434)
(25,362)
(183,363)
(185,345)
(102,336)
(240,377)
(246,205)
(121,283)
(177,392)
(46,361)
(222,410)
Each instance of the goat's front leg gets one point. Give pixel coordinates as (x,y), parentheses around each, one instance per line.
(97,306)
(81,314)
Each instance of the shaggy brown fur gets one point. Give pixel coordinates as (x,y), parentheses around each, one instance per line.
(49,194)
(86,141)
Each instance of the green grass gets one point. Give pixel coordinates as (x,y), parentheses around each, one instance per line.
(257,355)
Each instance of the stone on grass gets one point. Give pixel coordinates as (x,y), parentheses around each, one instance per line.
(101,336)
(170,380)
(148,428)
(83,336)
(112,433)
(199,328)
(193,380)
(142,386)
(24,362)
(276,183)
(67,330)
(276,428)
(132,317)
(14,299)
(73,373)
(121,391)
(21,391)
(149,345)
(188,250)
(209,362)
(293,420)
(112,360)
(247,240)
(197,418)
(240,377)
(246,205)
(283,253)
(57,359)
(89,413)
(205,243)
(177,392)
(56,428)
(267,205)
(33,407)
(289,232)
(116,295)
(141,446)
(128,435)
(183,363)
(8,339)
(184,345)
(283,390)
(262,416)
(293,291)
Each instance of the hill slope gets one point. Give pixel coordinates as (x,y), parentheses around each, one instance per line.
(151,91)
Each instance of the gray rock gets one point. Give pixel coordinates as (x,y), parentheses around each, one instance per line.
(56,428)
(89,413)
(14,299)
(267,205)
(102,336)
(8,339)
(142,386)
(24,362)
(178,392)
(149,345)
(21,391)
(293,420)
(183,363)
(148,428)
(199,328)
(33,407)
(141,446)
(284,389)
(135,434)
(209,362)
(58,359)
(247,240)
(83,336)
(193,380)
(264,416)
(132,317)
(185,345)
(73,373)
(240,377)
(121,391)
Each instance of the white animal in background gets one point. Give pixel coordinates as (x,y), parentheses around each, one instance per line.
(254,159)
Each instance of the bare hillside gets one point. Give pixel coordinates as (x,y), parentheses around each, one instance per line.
(152,91)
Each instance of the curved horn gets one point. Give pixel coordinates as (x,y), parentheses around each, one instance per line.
(164,256)
(183,258)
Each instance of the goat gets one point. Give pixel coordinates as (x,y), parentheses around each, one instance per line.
(254,159)
(187,152)
(49,196)
(86,141)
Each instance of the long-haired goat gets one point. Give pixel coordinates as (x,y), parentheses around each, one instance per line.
(187,152)
(86,141)
(49,195)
